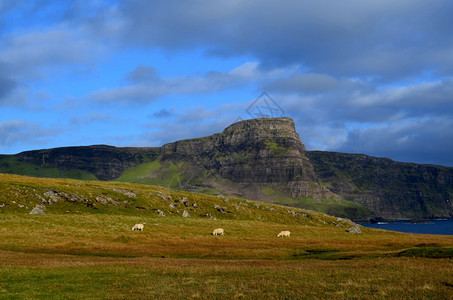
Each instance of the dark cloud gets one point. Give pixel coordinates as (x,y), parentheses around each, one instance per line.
(142,73)
(426,140)
(385,39)
(163,113)
(314,84)
(7,85)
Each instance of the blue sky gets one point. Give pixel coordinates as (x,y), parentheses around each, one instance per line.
(372,77)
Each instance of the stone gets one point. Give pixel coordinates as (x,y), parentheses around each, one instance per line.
(221,209)
(164,196)
(354,229)
(185,214)
(37,210)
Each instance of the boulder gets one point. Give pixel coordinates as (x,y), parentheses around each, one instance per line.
(354,229)
(37,211)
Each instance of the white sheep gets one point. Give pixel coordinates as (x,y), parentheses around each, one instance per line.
(138,227)
(218,231)
(284,234)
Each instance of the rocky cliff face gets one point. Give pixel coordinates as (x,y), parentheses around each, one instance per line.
(266,152)
(389,189)
(104,162)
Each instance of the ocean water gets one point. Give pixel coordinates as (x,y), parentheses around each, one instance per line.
(444,227)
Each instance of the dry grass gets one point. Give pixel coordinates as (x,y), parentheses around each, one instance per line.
(63,276)
(94,253)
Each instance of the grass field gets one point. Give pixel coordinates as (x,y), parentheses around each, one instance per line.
(84,248)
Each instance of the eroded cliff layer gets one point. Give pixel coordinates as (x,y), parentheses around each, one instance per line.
(389,189)
(266,152)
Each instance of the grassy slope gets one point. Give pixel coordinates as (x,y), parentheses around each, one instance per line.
(84,251)
(184,176)
(11,165)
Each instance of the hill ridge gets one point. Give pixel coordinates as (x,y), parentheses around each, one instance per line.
(261,159)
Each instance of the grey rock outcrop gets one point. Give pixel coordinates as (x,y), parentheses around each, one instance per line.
(37,210)
(354,229)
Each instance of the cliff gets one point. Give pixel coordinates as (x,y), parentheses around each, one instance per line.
(100,161)
(263,152)
(389,189)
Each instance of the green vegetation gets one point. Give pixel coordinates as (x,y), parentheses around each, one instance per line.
(268,191)
(276,148)
(83,247)
(330,206)
(428,251)
(140,173)
(166,174)
(9,164)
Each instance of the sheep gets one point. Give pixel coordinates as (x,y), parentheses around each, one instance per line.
(218,231)
(138,227)
(284,234)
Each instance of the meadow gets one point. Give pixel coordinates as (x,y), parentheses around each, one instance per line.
(83,248)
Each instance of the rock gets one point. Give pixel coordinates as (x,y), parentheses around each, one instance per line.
(171,206)
(223,210)
(208,216)
(37,210)
(52,195)
(130,194)
(160,213)
(163,196)
(354,229)
(185,214)
(106,200)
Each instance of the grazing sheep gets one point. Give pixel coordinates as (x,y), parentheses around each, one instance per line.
(284,234)
(138,227)
(218,231)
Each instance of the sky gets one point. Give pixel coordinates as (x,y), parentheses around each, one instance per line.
(371,77)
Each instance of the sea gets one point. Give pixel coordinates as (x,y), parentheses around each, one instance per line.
(443,227)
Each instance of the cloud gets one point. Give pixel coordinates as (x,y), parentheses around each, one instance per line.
(428,140)
(90,118)
(192,122)
(142,74)
(29,54)
(7,85)
(147,86)
(24,133)
(407,123)
(163,113)
(386,39)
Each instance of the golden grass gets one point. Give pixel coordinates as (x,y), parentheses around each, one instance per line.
(87,254)
(65,276)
